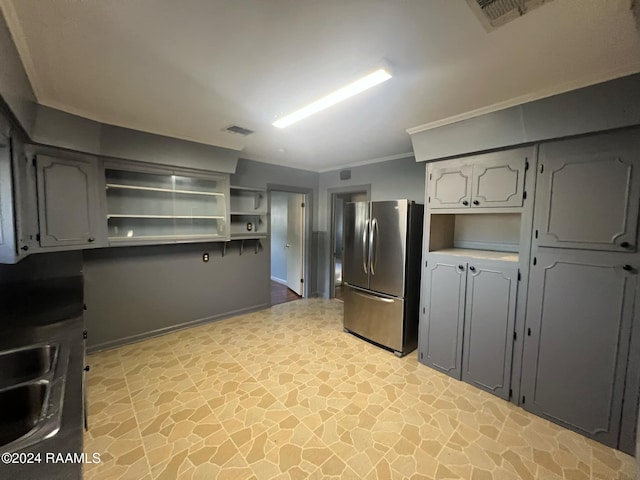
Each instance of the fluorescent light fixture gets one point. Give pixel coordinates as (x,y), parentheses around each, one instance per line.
(371,80)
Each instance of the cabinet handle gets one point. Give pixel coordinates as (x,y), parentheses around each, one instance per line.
(476,202)
(25,248)
(460,267)
(627,268)
(91,239)
(472,268)
(625,245)
(465,203)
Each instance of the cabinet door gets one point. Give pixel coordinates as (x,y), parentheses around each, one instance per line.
(489,324)
(498,180)
(442,315)
(8,253)
(449,185)
(67,205)
(25,198)
(588,199)
(578,323)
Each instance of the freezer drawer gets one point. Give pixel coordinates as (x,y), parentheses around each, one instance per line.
(379,319)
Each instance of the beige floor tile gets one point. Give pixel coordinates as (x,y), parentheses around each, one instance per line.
(284,393)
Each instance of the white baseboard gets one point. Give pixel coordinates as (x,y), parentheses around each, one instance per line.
(279,280)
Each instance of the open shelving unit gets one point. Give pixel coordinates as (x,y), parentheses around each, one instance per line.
(249,213)
(165,207)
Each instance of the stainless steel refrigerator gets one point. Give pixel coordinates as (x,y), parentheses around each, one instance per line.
(382,255)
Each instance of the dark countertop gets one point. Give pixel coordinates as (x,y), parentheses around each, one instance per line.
(49,311)
(40,303)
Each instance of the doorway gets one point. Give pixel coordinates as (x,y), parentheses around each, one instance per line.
(338,201)
(288,245)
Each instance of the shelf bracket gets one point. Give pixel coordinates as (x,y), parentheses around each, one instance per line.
(223,250)
(256,200)
(241,246)
(258,246)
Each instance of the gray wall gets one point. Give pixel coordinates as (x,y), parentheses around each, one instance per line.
(15,87)
(391,180)
(134,292)
(279,235)
(250,173)
(605,106)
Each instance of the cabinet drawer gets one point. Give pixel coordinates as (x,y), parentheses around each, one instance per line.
(377,318)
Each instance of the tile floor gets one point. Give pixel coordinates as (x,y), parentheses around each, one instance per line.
(285,394)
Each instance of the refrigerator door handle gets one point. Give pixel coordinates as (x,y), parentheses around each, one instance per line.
(365,250)
(373,241)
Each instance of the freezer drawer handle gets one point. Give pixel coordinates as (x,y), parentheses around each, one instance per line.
(373,297)
(365,252)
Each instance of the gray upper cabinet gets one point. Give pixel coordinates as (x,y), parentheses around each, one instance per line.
(588,194)
(579,318)
(449,185)
(442,314)
(18,212)
(68,206)
(498,180)
(8,252)
(489,325)
(483,181)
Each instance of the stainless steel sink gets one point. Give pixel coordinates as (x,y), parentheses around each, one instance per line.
(32,381)
(21,409)
(26,364)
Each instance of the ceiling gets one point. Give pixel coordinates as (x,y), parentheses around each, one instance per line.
(190,68)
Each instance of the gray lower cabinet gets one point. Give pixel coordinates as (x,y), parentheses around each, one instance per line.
(588,193)
(442,314)
(579,319)
(68,202)
(467,320)
(489,323)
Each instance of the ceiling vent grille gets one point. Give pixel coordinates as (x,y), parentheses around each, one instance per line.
(494,13)
(238,130)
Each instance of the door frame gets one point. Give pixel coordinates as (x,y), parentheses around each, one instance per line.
(308,223)
(332,194)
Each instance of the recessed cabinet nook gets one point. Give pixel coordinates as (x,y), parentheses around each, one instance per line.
(530,279)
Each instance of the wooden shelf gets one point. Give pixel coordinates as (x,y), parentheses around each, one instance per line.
(162,237)
(249,214)
(242,236)
(248,189)
(479,254)
(189,217)
(166,190)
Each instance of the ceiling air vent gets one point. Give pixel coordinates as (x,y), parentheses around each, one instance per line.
(494,13)
(239,130)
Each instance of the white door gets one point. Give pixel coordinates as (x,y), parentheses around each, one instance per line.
(295,242)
